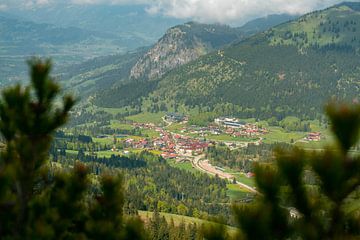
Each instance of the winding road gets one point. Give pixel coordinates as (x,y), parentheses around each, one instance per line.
(204,166)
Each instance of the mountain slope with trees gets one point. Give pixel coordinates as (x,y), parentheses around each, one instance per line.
(291,69)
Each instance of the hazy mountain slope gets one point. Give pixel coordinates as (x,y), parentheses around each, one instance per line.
(20,40)
(98,74)
(263,24)
(131,23)
(290,69)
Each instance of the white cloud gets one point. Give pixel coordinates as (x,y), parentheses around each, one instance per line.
(111,2)
(233,11)
(3,7)
(224,11)
(35,3)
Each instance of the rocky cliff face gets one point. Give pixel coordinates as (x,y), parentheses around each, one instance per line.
(180,45)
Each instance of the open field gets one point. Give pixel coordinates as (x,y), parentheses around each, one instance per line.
(244,179)
(175,127)
(184,166)
(236,192)
(145,215)
(278,134)
(147,117)
(118,125)
(150,133)
(226,137)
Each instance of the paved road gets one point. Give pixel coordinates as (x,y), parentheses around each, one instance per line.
(203,166)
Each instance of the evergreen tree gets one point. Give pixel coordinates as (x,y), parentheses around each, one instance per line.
(318,209)
(36,203)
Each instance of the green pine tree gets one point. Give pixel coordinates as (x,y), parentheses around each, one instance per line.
(36,203)
(321,187)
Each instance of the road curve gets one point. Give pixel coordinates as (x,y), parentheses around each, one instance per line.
(199,164)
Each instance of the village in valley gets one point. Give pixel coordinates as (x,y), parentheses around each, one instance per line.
(176,140)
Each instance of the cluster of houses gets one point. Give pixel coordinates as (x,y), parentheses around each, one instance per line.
(186,145)
(237,128)
(174,144)
(139,144)
(313,137)
(175,117)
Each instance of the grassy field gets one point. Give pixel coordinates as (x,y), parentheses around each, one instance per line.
(147,117)
(235,192)
(108,140)
(225,137)
(145,215)
(107,154)
(278,134)
(184,166)
(118,125)
(150,133)
(243,179)
(175,127)
(113,111)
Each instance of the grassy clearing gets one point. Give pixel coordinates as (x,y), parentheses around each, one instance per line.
(156,152)
(175,127)
(107,154)
(108,140)
(144,215)
(147,117)
(225,137)
(245,180)
(113,111)
(278,134)
(118,125)
(187,166)
(150,133)
(236,192)
(73,153)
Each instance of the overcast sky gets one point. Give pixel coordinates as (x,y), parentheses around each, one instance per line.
(223,11)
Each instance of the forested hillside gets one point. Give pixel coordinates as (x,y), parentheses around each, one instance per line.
(99,74)
(291,69)
(182,44)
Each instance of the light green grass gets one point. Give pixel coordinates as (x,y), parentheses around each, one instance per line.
(278,134)
(150,132)
(236,192)
(244,179)
(113,111)
(187,166)
(145,216)
(225,137)
(107,154)
(175,127)
(108,140)
(118,125)
(147,117)
(72,152)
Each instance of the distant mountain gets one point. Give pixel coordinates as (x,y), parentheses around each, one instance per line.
(179,45)
(131,23)
(21,39)
(291,69)
(182,44)
(263,24)
(98,74)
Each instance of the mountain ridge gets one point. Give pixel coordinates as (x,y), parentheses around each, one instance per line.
(290,69)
